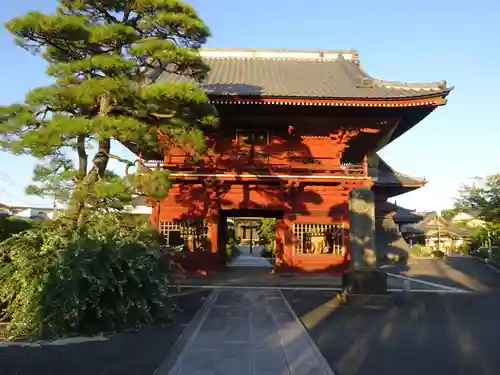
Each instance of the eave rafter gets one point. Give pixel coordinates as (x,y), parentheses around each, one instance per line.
(420,102)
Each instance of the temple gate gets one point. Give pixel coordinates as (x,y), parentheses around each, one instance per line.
(298,132)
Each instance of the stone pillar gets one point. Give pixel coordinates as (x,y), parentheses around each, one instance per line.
(362,229)
(363,276)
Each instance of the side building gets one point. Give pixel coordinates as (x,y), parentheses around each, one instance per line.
(392,220)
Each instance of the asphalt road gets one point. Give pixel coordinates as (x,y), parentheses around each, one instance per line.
(461,272)
(429,334)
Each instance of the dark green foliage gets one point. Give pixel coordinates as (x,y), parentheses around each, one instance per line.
(449,213)
(267,235)
(494,254)
(231,242)
(103,56)
(480,252)
(482,197)
(106,276)
(266,252)
(10,226)
(437,254)
(91,270)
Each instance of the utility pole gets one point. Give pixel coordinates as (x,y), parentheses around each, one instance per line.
(251,239)
(439,230)
(54,208)
(489,243)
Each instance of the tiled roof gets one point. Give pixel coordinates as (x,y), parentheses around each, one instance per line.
(405,215)
(385,175)
(432,224)
(401,214)
(299,74)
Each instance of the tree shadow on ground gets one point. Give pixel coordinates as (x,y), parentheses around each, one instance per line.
(456,272)
(449,334)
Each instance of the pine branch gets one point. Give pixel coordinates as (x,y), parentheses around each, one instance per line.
(102,54)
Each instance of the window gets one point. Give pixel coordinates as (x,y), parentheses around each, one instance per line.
(252,137)
(183,233)
(319,239)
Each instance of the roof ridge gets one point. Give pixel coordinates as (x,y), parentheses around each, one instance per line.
(279,54)
(370,82)
(349,50)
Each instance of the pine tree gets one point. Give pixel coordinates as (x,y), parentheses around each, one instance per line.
(103,56)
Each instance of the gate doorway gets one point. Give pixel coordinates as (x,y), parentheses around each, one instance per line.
(239,240)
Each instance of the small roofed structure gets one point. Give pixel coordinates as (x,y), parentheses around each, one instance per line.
(436,232)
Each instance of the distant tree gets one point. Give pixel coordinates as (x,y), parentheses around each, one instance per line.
(267,233)
(102,55)
(448,214)
(482,197)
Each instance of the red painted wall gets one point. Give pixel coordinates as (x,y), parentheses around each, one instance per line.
(310,204)
(312,150)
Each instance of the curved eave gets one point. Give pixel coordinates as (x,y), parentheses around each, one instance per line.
(413,231)
(393,190)
(428,100)
(444,232)
(412,118)
(412,186)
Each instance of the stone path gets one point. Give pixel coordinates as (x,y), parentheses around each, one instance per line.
(245,259)
(250,332)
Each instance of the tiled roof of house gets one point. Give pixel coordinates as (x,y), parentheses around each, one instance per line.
(434,223)
(299,74)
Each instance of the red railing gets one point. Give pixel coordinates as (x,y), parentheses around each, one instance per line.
(274,163)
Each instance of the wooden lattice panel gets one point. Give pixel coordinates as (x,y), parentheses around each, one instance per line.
(319,239)
(179,233)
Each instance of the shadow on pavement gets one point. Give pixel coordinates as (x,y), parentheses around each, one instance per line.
(430,333)
(457,272)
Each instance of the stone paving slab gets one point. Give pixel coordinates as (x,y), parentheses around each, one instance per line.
(250,332)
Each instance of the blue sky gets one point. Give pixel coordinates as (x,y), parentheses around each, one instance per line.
(397,40)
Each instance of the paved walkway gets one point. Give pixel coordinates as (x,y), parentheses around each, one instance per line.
(245,259)
(250,332)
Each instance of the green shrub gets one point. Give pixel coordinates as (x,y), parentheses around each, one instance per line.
(481,252)
(10,226)
(108,276)
(267,234)
(437,254)
(231,243)
(415,250)
(266,252)
(464,249)
(494,254)
(393,258)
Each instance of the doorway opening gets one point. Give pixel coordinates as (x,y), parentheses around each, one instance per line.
(247,237)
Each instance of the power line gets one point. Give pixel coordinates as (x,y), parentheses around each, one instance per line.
(5,177)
